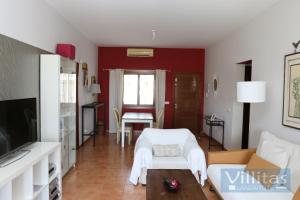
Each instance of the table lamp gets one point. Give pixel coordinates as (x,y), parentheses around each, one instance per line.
(95,89)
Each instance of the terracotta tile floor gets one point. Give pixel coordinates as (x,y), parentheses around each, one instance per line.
(102,172)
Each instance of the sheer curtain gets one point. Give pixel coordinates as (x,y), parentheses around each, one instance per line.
(116,77)
(160,93)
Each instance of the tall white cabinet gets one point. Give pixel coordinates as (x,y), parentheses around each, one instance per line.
(58,105)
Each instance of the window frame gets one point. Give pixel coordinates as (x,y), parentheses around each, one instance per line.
(139,73)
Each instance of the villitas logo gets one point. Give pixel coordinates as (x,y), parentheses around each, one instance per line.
(239,180)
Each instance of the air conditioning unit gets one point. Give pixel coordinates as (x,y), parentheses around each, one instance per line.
(134,52)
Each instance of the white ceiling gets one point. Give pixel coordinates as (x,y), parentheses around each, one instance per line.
(179,23)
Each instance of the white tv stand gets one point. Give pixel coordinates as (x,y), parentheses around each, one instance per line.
(28,178)
(13,157)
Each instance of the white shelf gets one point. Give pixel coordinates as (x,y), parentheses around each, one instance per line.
(37,189)
(6,191)
(22,186)
(43,195)
(56,174)
(66,132)
(40,172)
(28,178)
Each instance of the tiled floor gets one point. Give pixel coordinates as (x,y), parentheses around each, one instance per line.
(102,173)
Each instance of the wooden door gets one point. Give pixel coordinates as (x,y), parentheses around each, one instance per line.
(187,101)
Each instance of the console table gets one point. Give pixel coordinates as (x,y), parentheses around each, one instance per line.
(211,124)
(94,106)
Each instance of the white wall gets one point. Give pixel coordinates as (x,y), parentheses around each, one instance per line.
(265,41)
(37,24)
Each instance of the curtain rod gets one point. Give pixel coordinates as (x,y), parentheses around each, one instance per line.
(140,70)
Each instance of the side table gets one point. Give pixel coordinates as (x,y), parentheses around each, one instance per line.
(211,124)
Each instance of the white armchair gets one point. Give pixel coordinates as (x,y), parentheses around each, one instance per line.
(192,157)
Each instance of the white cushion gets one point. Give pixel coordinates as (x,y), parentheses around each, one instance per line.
(169,163)
(274,154)
(293,151)
(214,174)
(169,150)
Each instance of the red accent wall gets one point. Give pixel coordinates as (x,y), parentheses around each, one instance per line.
(175,60)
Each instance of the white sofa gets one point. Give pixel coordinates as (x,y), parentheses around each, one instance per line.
(192,157)
(239,159)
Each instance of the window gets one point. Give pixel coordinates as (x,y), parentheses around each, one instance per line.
(138,89)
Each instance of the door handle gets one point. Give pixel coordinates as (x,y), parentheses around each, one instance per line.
(175,106)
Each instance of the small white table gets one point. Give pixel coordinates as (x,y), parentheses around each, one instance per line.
(134,117)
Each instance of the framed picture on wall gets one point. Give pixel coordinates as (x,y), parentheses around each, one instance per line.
(291,107)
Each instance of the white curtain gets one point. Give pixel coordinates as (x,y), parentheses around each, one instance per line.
(116,77)
(160,93)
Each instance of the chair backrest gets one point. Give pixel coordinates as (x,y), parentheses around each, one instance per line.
(117,118)
(159,118)
(166,136)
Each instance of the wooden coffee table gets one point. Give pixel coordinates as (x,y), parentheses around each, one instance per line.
(190,188)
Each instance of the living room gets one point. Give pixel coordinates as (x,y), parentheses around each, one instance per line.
(182,68)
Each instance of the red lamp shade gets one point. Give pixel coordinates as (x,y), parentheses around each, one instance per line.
(66,50)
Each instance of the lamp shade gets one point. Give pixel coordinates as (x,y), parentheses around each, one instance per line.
(95,88)
(251,91)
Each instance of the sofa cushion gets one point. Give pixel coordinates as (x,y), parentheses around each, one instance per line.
(274,154)
(168,150)
(293,151)
(214,174)
(258,166)
(169,163)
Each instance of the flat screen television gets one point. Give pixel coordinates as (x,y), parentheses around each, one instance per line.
(18,125)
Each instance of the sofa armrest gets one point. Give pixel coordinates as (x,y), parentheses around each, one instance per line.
(195,158)
(143,143)
(142,158)
(230,157)
(189,145)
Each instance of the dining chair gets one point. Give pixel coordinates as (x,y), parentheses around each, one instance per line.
(128,130)
(157,123)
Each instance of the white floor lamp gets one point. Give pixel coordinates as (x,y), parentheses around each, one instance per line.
(249,92)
